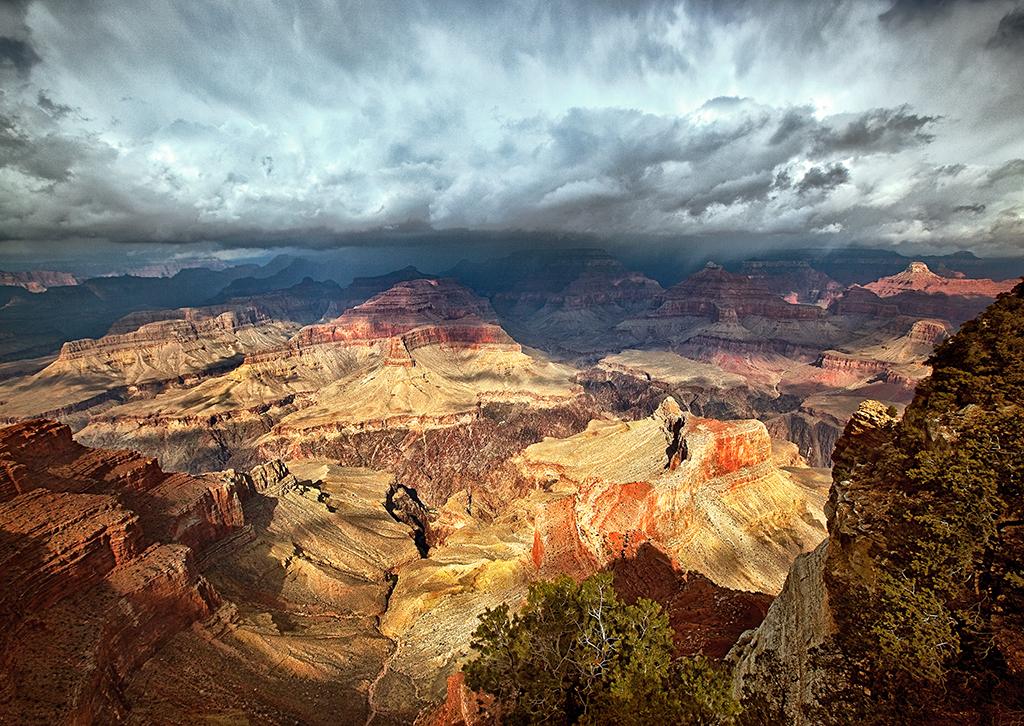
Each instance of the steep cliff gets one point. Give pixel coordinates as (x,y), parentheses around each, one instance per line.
(914,611)
(97,569)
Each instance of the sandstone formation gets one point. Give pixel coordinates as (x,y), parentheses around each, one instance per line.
(98,570)
(297,637)
(734,322)
(720,295)
(89,373)
(794,281)
(707,492)
(917,277)
(920,293)
(318,593)
(777,657)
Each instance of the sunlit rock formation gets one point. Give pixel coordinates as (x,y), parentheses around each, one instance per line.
(98,569)
(423,356)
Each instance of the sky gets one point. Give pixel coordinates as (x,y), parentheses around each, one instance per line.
(255,124)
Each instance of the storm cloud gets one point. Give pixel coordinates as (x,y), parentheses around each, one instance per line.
(257,122)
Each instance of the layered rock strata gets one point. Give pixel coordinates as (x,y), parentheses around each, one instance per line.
(424,355)
(98,569)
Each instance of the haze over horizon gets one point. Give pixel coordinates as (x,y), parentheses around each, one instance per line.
(750,124)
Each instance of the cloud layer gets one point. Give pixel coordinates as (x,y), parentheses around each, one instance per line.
(258,122)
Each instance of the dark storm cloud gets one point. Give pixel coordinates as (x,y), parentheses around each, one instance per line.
(52,107)
(17,54)
(313,122)
(1010,31)
(921,10)
(818,178)
(879,130)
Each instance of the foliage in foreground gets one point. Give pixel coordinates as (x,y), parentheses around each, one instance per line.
(575,654)
(934,631)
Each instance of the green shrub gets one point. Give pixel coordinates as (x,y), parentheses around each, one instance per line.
(575,654)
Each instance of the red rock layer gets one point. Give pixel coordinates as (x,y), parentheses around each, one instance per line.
(421,312)
(623,517)
(918,278)
(96,568)
(172,506)
(193,326)
(859,300)
(720,295)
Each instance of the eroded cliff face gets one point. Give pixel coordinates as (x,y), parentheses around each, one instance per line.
(911,611)
(89,375)
(917,277)
(708,492)
(782,664)
(297,637)
(919,292)
(566,302)
(98,569)
(794,281)
(37,280)
(302,593)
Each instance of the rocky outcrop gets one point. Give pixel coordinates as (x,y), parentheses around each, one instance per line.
(89,374)
(719,295)
(774,664)
(97,568)
(297,637)
(733,321)
(781,665)
(705,491)
(918,278)
(410,315)
(919,293)
(303,303)
(814,434)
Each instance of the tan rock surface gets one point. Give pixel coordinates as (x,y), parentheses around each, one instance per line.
(706,491)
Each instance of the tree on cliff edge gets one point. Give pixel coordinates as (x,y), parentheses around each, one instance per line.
(931,619)
(575,654)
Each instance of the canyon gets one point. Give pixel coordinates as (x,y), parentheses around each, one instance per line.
(291,502)
(298,577)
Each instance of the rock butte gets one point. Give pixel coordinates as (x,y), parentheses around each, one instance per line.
(917,277)
(423,354)
(706,492)
(88,373)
